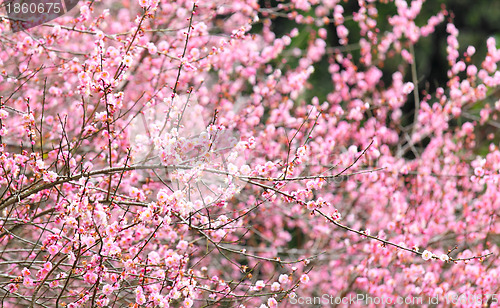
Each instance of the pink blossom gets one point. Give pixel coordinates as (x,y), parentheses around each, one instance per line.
(408,88)
(28,282)
(272,303)
(88,240)
(12,287)
(187,303)
(304,279)
(471,51)
(152,48)
(53,249)
(90,277)
(342,32)
(283,279)
(144,3)
(182,245)
(259,285)
(127,60)
(275,286)
(426,255)
(107,289)
(50,176)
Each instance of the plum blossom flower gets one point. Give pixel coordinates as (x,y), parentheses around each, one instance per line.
(101,116)
(99,35)
(90,277)
(478,171)
(426,255)
(182,245)
(88,240)
(283,278)
(40,164)
(471,51)
(232,169)
(13,287)
(444,257)
(301,151)
(146,215)
(311,205)
(408,87)
(28,282)
(259,285)
(157,299)
(144,3)
(162,196)
(187,303)
(50,176)
(107,289)
(127,60)
(140,298)
(342,31)
(304,279)
(152,48)
(275,286)
(104,76)
(53,249)
(336,215)
(272,303)
(245,170)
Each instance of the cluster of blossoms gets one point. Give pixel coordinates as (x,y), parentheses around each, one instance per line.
(427,255)
(176,154)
